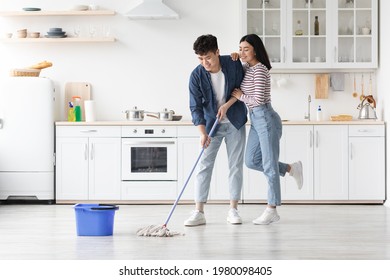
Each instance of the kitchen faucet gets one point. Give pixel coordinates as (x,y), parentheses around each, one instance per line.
(307,116)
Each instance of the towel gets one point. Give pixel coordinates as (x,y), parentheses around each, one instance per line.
(337,81)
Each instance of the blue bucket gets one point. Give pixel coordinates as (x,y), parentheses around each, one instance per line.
(95,219)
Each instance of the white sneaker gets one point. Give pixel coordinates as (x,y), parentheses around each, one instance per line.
(297,173)
(233,217)
(267,217)
(196,219)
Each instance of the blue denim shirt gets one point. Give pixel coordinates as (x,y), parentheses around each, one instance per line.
(203,104)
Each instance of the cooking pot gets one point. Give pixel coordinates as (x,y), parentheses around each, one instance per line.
(134,114)
(165,115)
(367,110)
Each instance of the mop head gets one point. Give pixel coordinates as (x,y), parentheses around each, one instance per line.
(156,231)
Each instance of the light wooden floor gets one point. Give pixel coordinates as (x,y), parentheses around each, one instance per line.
(309,232)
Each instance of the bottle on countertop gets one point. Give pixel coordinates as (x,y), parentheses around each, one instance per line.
(77,108)
(316,26)
(71,115)
(319,114)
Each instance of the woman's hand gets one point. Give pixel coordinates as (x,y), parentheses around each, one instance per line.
(237,93)
(235,56)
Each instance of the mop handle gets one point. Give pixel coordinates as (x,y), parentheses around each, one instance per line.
(189,176)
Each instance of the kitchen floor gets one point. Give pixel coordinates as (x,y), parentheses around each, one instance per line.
(309,232)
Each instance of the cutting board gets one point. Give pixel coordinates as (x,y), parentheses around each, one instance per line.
(322,86)
(81,89)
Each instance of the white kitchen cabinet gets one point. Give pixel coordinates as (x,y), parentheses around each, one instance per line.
(367,162)
(188,152)
(347,38)
(355,34)
(323,150)
(88,163)
(330,162)
(297,144)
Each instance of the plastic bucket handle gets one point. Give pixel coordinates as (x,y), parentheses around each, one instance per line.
(105,207)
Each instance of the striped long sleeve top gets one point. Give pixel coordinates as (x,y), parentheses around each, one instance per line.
(256,85)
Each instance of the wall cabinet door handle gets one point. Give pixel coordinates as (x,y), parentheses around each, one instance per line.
(86,152)
(311,139)
(317,139)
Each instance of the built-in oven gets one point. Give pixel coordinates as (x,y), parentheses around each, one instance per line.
(149,153)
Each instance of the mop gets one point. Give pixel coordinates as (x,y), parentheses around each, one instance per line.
(163,231)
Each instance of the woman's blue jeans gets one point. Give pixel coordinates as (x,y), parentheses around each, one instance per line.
(262,151)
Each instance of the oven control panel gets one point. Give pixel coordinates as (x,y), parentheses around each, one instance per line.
(149,131)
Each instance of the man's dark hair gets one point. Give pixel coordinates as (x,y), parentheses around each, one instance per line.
(205,44)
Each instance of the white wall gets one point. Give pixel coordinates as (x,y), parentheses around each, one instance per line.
(150,63)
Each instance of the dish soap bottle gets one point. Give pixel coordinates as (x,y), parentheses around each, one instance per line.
(77,108)
(71,116)
(319,114)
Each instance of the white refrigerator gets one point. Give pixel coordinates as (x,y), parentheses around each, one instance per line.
(26,139)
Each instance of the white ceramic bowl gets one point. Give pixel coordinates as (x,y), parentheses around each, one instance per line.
(366,31)
(35,34)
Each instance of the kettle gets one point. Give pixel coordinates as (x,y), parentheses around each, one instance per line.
(367,108)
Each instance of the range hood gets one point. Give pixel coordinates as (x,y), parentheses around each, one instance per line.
(152,9)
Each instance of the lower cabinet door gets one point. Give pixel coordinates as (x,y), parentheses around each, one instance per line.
(367,168)
(72,168)
(104,168)
(331,162)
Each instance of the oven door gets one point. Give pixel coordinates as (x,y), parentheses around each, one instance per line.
(149,159)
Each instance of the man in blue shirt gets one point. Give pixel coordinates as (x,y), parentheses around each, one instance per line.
(211,85)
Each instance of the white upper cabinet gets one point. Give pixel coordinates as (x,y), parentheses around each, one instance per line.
(267,19)
(355,42)
(315,34)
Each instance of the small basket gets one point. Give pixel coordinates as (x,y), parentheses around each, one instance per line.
(25,72)
(341,118)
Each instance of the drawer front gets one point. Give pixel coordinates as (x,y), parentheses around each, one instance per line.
(366,130)
(88,131)
(188,131)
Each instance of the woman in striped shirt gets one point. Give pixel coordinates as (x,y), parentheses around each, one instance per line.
(262,151)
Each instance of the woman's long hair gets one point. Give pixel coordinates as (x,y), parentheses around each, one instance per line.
(258,46)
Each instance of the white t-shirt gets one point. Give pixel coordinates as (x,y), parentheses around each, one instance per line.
(218,83)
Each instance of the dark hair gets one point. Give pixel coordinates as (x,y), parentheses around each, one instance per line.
(258,46)
(205,44)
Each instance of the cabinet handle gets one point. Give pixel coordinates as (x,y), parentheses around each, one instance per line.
(311,139)
(92,151)
(86,152)
(88,131)
(363,130)
(139,143)
(350,151)
(284,54)
(335,54)
(317,139)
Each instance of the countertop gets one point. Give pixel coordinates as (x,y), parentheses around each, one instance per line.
(188,122)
